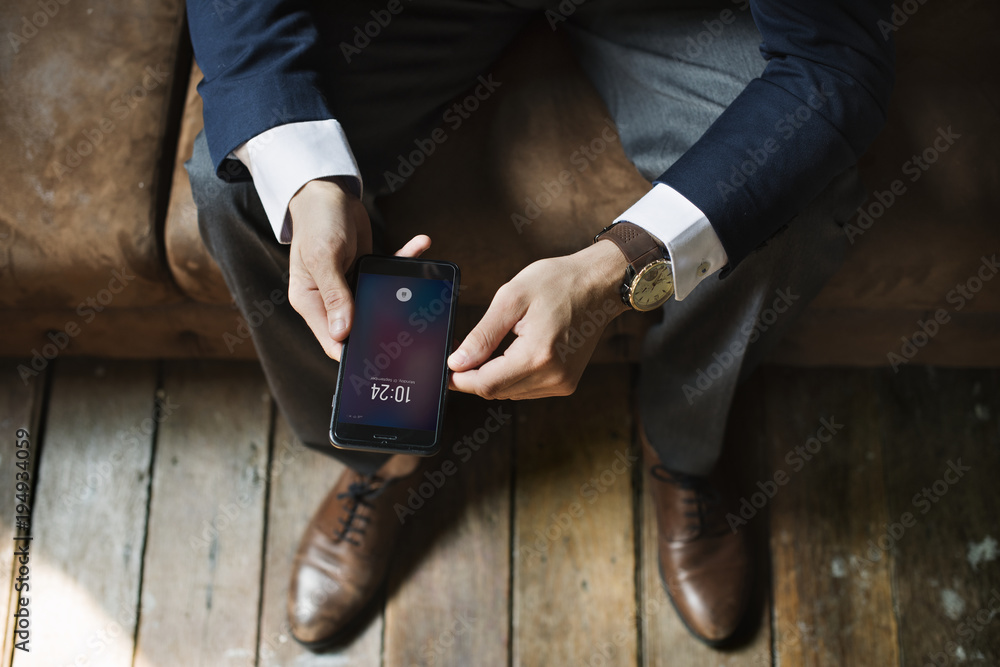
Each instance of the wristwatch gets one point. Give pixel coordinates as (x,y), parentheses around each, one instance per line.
(649,277)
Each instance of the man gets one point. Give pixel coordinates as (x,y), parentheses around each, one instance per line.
(749,138)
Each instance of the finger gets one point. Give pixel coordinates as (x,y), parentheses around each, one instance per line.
(415,247)
(506,310)
(487,382)
(494,378)
(530,387)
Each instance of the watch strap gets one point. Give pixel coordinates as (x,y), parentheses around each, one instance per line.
(638,245)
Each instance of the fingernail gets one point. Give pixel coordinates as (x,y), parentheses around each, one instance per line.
(338,325)
(459,358)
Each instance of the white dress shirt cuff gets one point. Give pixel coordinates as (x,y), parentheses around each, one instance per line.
(283,159)
(695,249)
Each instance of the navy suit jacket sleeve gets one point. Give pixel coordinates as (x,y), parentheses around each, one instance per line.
(819,103)
(262,63)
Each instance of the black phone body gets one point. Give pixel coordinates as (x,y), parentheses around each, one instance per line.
(393,377)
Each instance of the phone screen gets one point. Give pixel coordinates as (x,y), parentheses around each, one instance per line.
(393,375)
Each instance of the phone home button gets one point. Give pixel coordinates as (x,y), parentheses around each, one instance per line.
(384,437)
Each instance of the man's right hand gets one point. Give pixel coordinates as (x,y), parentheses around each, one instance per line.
(330,230)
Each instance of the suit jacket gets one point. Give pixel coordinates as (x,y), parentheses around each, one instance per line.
(828,61)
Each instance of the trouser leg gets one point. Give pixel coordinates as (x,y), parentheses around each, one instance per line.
(301,377)
(664,83)
(392,94)
(693,360)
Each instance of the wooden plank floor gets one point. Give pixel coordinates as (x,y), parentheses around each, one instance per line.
(168,498)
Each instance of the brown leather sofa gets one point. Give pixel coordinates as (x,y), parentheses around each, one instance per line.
(100,254)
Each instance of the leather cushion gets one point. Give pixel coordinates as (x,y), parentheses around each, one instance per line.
(85,114)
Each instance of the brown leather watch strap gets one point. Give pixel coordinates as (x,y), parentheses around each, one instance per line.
(638,245)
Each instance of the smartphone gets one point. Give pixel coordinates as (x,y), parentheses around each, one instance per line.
(393,377)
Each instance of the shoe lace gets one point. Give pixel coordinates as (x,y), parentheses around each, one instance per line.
(358,495)
(705,498)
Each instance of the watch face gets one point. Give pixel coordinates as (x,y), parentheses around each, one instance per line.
(653,286)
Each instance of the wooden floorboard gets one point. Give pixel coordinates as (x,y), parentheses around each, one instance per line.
(153,519)
(942,452)
(90,513)
(449,592)
(574,547)
(300,478)
(202,570)
(826,439)
(21,395)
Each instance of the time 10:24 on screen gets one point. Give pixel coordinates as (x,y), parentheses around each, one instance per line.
(385,392)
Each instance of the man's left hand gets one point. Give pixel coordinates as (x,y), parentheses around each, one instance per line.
(546,306)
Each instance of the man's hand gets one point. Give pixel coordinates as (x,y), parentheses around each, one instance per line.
(330,230)
(546,306)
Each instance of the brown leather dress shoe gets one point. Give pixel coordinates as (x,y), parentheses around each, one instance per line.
(344,553)
(705,567)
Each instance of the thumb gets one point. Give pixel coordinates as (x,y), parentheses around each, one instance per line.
(336,296)
(339,306)
(415,247)
(504,312)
